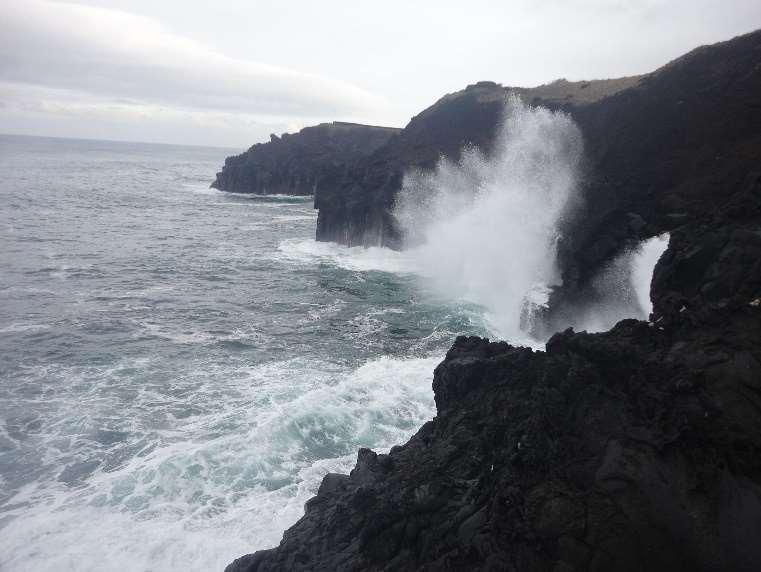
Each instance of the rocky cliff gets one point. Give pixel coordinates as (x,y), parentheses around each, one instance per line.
(665,153)
(634,449)
(355,207)
(296,164)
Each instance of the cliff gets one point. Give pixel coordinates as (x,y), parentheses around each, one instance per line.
(296,164)
(634,449)
(355,207)
(668,152)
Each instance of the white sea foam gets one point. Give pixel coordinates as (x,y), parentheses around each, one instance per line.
(623,287)
(220,483)
(643,264)
(357,258)
(17,327)
(280,197)
(296,218)
(201,188)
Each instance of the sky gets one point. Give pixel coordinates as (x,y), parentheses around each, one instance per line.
(230,72)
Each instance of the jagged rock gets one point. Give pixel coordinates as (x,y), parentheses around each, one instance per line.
(296,164)
(634,449)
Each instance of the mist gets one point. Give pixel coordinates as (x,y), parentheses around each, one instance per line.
(485,228)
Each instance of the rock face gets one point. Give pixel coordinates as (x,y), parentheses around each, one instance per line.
(667,152)
(634,449)
(296,164)
(355,206)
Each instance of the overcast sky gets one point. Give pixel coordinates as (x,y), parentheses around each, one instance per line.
(230,72)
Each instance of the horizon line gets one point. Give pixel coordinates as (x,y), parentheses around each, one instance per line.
(92,139)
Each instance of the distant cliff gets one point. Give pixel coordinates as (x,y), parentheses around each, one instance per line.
(296,164)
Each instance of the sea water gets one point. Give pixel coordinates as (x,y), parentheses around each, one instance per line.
(179,366)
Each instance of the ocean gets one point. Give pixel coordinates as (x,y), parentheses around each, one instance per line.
(179,366)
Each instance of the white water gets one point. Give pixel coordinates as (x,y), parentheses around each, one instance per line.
(354,258)
(643,264)
(485,228)
(622,288)
(290,419)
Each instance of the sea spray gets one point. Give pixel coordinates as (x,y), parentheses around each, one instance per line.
(643,265)
(485,228)
(622,288)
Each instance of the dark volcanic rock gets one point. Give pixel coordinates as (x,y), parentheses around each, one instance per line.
(296,164)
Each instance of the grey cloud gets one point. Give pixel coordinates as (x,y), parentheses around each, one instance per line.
(112,53)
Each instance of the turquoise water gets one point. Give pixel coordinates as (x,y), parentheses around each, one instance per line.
(179,367)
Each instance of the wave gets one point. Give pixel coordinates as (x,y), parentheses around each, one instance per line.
(216,484)
(622,288)
(296,218)
(485,228)
(200,188)
(643,262)
(356,258)
(20,327)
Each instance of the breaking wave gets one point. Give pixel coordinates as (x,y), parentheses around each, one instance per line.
(485,228)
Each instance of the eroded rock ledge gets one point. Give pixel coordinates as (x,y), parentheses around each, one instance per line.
(296,164)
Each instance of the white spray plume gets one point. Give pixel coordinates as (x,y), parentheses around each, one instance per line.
(485,228)
(622,288)
(643,265)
